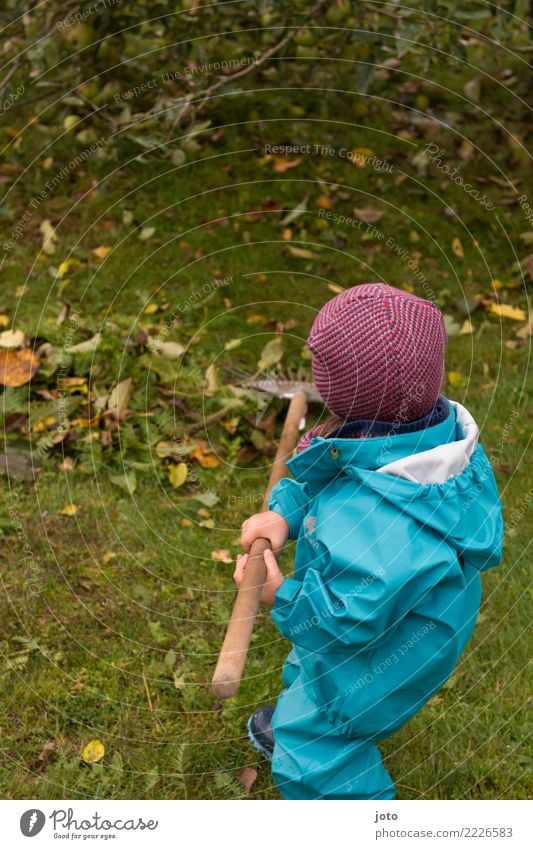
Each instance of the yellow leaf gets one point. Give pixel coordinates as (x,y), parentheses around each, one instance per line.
(507,311)
(4,321)
(222,554)
(286,234)
(457,248)
(360,155)
(151,309)
(17,367)
(467,327)
(69,510)
(50,237)
(177,474)
(66,265)
(206,460)
(334,288)
(323,202)
(455,378)
(230,424)
(186,523)
(108,557)
(93,752)
(233,343)
(102,251)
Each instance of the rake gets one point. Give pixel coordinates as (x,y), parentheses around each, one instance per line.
(232,657)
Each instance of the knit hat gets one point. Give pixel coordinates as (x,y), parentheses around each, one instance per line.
(378,353)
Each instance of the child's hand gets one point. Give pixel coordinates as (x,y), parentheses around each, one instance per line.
(273,579)
(268,525)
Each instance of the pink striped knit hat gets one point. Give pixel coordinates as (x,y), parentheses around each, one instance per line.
(378,353)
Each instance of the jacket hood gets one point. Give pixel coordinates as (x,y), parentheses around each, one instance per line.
(439,475)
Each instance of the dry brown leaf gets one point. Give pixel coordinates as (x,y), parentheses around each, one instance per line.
(206,459)
(222,554)
(119,397)
(457,248)
(368,214)
(247,777)
(102,251)
(281,164)
(17,367)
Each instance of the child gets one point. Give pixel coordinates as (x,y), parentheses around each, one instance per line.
(396,512)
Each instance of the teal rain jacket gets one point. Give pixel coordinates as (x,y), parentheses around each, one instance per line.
(392,533)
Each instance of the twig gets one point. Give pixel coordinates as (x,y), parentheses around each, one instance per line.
(150,705)
(243,72)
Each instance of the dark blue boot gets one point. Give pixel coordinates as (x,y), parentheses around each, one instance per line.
(260,730)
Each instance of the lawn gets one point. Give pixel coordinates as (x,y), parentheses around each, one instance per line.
(115,589)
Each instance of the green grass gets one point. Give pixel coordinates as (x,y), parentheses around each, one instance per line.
(122,649)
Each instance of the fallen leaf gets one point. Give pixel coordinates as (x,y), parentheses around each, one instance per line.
(507,311)
(230,424)
(108,557)
(207,460)
(281,164)
(457,248)
(247,777)
(302,253)
(455,378)
(102,251)
(93,752)
(126,481)
(48,753)
(86,347)
(119,397)
(207,498)
(233,343)
(68,264)
(368,214)
(526,330)
(286,234)
(466,327)
(527,237)
(360,155)
(211,380)
(222,554)
(69,510)
(177,474)
(171,350)
(11,339)
(452,327)
(146,233)
(271,354)
(17,367)
(323,202)
(4,321)
(50,237)
(150,309)
(296,212)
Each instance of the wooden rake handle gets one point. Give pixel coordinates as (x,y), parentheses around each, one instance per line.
(232,657)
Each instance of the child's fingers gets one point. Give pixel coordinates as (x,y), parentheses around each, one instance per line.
(242,561)
(271,564)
